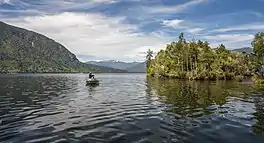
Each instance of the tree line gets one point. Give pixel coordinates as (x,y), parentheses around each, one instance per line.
(196,60)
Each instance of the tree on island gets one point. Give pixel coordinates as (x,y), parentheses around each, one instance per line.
(149,57)
(198,61)
(258,49)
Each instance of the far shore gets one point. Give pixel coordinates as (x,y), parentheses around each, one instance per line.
(72,73)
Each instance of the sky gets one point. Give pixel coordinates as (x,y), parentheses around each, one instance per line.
(125,29)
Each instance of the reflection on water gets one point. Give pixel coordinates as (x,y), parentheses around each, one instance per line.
(196,99)
(227,108)
(128,108)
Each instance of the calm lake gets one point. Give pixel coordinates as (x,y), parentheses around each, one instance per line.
(128,108)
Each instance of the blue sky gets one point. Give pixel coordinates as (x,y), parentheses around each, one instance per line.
(125,29)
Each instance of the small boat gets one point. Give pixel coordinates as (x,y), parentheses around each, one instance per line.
(92,82)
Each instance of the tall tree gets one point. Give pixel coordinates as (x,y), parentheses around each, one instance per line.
(181,38)
(149,57)
(258,44)
(258,48)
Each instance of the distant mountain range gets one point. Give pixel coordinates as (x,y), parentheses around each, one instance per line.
(24,51)
(113,64)
(245,49)
(128,66)
(139,68)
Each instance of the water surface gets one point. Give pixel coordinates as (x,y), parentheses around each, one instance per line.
(128,108)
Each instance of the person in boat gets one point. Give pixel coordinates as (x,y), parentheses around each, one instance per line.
(91,76)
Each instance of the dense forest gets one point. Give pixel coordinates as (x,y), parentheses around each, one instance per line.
(196,60)
(23,51)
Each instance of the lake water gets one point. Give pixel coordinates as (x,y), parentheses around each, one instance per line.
(128,108)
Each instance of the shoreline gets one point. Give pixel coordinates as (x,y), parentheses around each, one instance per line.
(73,73)
(237,78)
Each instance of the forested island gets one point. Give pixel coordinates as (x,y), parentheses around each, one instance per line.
(196,60)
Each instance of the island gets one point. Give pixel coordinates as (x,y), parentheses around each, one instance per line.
(196,60)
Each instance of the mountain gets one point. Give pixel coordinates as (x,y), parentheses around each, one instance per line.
(114,64)
(140,68)
(101,69)
(26,51)
(245,49)
(128,66)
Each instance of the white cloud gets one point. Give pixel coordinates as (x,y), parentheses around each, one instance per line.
(230,40)
(230,37)
(242,27)
(92,34)
(5,2)
(53,6)
(194,30)
(174,9)
(142,51)
(176,23)
(27,11)
(181,24)
(104,1)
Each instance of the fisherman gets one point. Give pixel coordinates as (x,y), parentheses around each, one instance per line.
(91,75)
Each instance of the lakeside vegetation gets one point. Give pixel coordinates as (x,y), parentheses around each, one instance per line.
(196,60)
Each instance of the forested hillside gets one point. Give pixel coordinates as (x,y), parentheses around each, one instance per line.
(22,50)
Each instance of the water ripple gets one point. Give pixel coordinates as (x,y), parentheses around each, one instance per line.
(127,108)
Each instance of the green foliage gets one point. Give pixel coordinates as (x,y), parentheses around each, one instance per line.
(259,80)
(258,49)
(149,57)
(197,61)
(26,51)
(258,44)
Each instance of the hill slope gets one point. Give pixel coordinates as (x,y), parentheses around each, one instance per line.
(246,50)
(140,67)
(22,50)
(128,66)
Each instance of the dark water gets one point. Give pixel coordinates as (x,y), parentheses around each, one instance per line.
(128,108)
